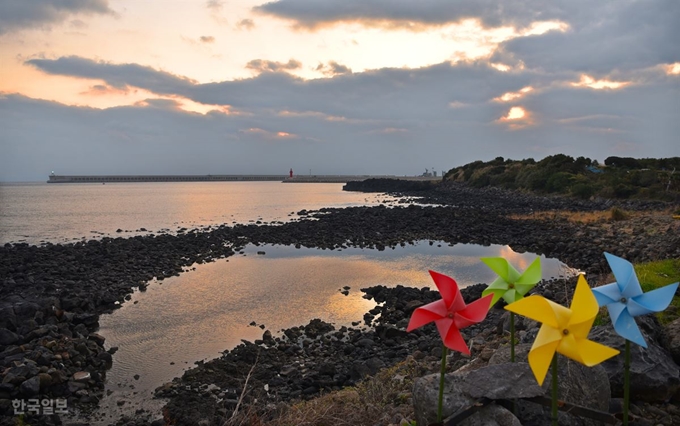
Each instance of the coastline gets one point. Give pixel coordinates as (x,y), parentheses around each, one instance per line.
(61,289)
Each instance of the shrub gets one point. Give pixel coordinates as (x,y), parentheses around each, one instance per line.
(559,182)
(582,190)
(617,214)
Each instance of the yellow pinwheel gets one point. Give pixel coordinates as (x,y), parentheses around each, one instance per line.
(563,330)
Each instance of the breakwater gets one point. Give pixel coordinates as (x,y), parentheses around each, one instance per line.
(224,178)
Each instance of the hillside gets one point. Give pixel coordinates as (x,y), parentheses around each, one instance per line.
(618,177)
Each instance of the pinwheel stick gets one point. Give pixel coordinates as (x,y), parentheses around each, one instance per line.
(553,413)
(626,383)
(512,337)
(445,352)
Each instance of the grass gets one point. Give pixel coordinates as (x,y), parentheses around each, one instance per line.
(373,401)
(617,214)
(653,275)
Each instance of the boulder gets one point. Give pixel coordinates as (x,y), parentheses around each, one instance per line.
(673,333)
(30,387)
(464,387)
(654,376)
(577,384)
(7,337)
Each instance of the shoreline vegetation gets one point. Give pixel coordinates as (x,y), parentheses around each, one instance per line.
(617,178)
(52,297)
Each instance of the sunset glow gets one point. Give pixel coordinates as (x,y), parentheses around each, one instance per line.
(588,81)
(673,69)
(511,96)
(346,86)
(516,113)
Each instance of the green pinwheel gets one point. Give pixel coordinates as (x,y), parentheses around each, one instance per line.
(510,284)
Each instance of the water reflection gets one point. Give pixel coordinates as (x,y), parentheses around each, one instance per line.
(57,213)
(202,312)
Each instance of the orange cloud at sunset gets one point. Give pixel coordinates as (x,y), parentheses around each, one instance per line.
(588,81)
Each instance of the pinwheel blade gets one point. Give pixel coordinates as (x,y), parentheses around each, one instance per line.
(542,351)
(531,275)
(426,314)
(496,294)
(592,353)
(625,325)
(625,276)
(653,301)
(498,284)
(584,305)
(511,296)
(451,336)
(473,313)
(448,288)
(606,294)
(540,309)
(502,267)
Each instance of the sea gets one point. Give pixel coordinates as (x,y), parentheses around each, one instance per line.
(208,309)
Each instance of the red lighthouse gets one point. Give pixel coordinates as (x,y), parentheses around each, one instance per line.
(291,173)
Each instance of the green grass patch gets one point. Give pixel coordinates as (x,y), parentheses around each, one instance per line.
(653,275)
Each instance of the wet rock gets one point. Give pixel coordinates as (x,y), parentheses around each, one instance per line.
(501,381)
(426,396)
(30,387)
(97,338)
(673,333)
(654,377)
(82,376)
(8,337)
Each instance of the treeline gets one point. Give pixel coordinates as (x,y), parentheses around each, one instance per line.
(618,177)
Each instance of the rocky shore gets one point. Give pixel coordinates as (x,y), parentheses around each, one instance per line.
(52,296)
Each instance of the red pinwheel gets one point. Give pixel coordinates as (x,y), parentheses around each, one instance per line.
(450,313)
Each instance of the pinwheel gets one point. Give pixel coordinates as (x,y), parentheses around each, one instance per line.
(563,330)
(511,286)
(450,314)
(625,300)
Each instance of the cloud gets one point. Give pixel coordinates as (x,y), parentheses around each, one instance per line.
(393,121)
(119,76)
(21,14)
(215,5)
(333,68)
(216,8)
(262,65)
(207,39)
(245,24)
(312,13)
(169,104)
(78,24)
(605,36)
(104,90)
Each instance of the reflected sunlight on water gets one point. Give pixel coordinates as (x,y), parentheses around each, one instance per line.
(66,212)
(203,312)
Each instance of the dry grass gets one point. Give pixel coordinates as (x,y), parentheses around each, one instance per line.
(575,217)
(601,216)
(375,401)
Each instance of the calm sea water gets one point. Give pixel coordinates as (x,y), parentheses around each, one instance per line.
(206,310)
(178,321)
(37,212)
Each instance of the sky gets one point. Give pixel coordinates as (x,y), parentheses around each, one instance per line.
(331,86)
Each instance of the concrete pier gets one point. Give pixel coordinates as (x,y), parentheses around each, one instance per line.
(223,178)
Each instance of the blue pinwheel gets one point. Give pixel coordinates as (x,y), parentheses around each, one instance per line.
(624,299)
